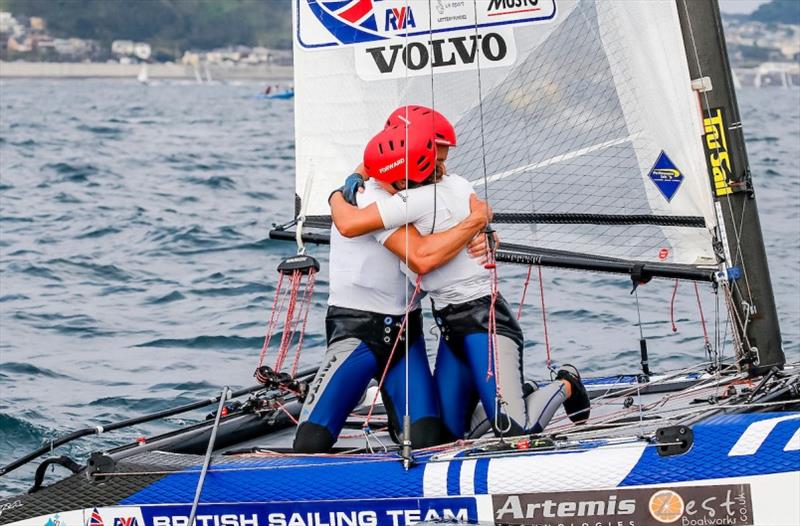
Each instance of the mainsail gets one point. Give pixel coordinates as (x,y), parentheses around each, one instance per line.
(582,122)
(582,139)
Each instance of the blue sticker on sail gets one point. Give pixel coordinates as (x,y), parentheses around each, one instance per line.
(666,176)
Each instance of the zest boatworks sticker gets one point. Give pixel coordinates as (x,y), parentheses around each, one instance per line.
(720,164)
(729,504)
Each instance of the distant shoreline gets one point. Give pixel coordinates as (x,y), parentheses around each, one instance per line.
(79,70)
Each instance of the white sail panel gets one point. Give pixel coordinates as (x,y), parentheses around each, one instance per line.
(562,108)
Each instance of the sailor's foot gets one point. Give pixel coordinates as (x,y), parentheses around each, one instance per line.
(577,405)
(528,388)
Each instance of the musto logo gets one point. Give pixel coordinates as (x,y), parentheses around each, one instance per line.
(685,506)
(512,7)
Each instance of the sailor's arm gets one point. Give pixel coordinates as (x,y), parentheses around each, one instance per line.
(351,221)
(427,253)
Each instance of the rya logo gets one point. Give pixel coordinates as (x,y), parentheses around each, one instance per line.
(399,18)
(126,521)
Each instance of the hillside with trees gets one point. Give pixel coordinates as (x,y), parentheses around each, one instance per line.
(170,26)
(778,12)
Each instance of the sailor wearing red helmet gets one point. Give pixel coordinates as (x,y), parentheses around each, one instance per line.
(461,295)
(366,306)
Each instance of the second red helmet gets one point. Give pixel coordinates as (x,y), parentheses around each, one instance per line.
(399,150)
(427,117)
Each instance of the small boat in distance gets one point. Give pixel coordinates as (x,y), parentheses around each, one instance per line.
(143,77)
(275,92)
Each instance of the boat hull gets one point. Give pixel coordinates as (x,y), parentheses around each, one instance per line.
(741,469)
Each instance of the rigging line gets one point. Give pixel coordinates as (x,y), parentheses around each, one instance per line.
(433,107)
(406,425)
(524,292)
(707,106)
(548,362)
(480,102)
(672,306)
(706,340)
(744,269)
(638,313)
(716,321)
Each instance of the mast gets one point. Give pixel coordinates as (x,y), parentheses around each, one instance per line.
(729,172)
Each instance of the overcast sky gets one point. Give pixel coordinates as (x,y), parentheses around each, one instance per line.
(740,6)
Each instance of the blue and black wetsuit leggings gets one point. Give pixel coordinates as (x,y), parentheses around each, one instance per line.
(462,364)
(359,346)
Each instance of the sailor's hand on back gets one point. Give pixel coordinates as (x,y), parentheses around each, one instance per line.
(480,208)
(351,187)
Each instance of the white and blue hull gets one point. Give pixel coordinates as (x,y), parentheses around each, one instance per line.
(741,469)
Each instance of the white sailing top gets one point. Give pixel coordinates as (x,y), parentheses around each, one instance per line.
(365,275)
(461,279)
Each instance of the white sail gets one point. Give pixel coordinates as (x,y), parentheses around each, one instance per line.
(571,107)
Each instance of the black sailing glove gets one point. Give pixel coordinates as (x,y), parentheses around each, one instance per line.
(350,188)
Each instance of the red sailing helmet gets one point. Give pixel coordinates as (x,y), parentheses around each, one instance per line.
(424,116)
(397,149)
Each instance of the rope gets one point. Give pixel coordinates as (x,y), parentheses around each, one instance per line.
(706,340)
(548,361)
(524,292)
(286,411)
(272,320)
(672,306)
(403,325)
(289,324)
(305,308)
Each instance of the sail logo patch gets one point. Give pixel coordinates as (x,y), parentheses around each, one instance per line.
(720,163)
(666,176)
(511,7)
(333,23)
(399,18)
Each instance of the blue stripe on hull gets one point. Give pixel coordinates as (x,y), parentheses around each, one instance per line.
(710,456)
(291,479)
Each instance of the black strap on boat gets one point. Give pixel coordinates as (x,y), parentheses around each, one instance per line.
(40,471)
(135,421)
(525,218)
(599,219)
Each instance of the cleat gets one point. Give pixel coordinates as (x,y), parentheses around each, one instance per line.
(577,406)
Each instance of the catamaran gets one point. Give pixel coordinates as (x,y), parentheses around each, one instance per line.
(607,137)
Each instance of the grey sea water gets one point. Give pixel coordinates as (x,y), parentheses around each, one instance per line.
(136,272)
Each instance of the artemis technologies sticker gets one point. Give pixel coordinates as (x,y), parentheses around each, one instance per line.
(666,176)
(728,504)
